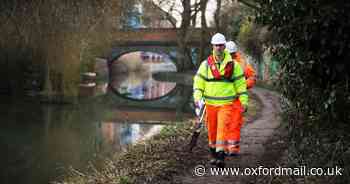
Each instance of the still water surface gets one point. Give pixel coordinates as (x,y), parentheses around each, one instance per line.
(39,142)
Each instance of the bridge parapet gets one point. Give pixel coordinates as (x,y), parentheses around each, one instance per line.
(160,35)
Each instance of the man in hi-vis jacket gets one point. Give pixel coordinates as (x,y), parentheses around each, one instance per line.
(219,84)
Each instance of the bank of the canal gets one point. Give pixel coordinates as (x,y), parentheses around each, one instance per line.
(155,160)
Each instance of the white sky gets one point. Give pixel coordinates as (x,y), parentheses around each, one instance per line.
(166,4)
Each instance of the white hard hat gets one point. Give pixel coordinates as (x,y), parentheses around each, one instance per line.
(231,46)
(218,38)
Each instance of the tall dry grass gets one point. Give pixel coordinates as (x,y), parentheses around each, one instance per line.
(45,45)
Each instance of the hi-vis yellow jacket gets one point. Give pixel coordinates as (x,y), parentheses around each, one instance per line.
(222,91)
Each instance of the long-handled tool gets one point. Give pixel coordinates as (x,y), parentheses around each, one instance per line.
(197,130)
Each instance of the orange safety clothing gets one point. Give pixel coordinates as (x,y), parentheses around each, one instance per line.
(224,126)
(225,98)
(248,69)
(220,91)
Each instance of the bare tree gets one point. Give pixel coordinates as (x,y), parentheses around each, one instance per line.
(188,11)
(183,34)
(217,16)
(195,10)
(249,3)
(203,37)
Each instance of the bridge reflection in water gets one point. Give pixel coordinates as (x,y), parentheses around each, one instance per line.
(131,75)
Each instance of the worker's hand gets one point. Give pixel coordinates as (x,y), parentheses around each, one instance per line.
(198,106)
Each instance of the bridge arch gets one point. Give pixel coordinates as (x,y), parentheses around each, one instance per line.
(161,41)
(168,50)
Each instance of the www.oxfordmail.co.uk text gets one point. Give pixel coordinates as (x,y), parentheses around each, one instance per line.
(200,170)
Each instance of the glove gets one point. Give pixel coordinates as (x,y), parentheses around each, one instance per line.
(198,106)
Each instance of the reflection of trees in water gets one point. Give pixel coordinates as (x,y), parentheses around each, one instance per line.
(110,135)
(117,136)
(130,133)
(39,139)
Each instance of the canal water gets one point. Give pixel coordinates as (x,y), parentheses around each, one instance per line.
(39,142)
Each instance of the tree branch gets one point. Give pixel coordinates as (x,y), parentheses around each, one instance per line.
(249,4)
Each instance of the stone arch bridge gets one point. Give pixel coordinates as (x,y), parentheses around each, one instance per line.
(160,40)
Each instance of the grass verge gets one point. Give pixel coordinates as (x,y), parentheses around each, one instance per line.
(156,160)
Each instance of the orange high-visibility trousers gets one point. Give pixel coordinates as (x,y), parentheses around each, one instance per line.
(224,127)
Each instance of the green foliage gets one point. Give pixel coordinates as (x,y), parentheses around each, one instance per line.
(253,38)
(245,30)
(250,35)
(234,28)
(249,38)
(312,43)
(124,180)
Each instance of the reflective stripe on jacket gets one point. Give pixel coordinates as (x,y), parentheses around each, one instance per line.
(222,91)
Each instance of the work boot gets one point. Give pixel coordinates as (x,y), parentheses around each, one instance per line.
(220,162)
(213,154)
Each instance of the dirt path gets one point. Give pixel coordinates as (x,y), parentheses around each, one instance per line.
(253,137)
